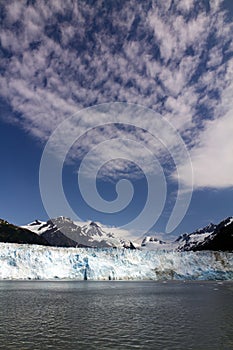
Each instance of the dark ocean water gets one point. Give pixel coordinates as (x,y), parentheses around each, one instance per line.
(116,315)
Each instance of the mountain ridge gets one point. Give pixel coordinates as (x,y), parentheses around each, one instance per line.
(63,232)
(211,237)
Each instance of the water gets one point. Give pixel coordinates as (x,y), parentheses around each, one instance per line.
(116,315)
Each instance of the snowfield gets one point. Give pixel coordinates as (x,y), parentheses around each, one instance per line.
(21,261)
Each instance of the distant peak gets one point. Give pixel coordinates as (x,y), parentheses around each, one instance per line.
(36,222)
(60,219)
(94,224)
(63,218)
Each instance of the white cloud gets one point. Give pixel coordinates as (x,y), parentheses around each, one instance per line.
(185,5)
(215,57)
(212,158)
(147,64)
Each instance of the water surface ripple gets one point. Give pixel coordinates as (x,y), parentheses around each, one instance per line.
(116,315)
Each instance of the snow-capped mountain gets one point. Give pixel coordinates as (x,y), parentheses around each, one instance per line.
(151,242)
(188,241)
(211,237)
(151,239)
(63,232)
(57,231)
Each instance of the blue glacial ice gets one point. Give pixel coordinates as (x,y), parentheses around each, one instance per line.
(21,261)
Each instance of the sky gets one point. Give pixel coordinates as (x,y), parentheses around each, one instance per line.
(117,111)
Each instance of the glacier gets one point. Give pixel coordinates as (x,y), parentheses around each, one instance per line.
(22,261)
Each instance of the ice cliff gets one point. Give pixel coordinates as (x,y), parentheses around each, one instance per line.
(37,262)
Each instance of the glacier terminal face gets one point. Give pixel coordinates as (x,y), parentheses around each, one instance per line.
(22,261)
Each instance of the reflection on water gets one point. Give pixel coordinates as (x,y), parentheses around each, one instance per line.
(116,315)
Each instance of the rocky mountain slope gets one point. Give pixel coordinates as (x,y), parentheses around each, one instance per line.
(216,237)
(10,233)
(211,237)
(63,232)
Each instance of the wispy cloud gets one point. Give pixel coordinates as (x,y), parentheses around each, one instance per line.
(212,155)
(172,56)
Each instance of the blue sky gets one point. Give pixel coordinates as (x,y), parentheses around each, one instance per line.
(173,57)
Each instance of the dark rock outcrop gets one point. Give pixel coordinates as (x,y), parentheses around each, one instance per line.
(10,233)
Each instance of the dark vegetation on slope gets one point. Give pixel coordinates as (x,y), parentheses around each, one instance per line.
(10,233)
